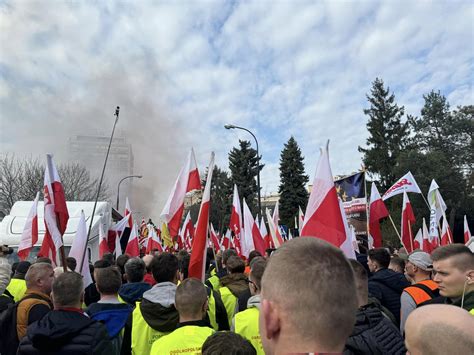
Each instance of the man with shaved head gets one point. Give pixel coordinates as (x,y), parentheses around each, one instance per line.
(308,301)
(192,331)
(439,329)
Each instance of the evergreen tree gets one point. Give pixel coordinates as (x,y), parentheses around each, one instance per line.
(293,193)
(387,134)
(243,165)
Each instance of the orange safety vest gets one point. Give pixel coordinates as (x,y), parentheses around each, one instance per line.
(423,291)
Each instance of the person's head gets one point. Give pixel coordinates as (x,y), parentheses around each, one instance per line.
(219,259)
(184,266)
(235,265)
(439,329)
(121,261)
(39,277)
(135,270)
(71,263)
(147,259)
(397,264)
(418,265)
(253,254)
(41,259)
(108,280)
(453,270)
(307,274)
(225,343)
(21,269)
(100,264)
(378,258)
(257,267)
(109,257)
(226,254)
(164,268)
(191,300)
(361,282)
(268,252)
(68,290)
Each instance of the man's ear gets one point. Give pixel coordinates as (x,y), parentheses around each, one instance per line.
(205,306)
(271,319)
(470,277)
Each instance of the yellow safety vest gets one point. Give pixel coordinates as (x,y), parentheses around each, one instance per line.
(212,311)
(472,311)
(143,336)
(229,301)
(246,324)
(184,340)
(215,282)
(17,289)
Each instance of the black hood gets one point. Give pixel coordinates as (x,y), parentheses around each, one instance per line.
(393,280)
(163,319)
(56,329)
(133,292)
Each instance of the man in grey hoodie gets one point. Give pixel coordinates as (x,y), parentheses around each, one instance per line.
(156,315)
(245,323)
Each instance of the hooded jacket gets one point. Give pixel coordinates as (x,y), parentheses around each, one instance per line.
(66,332)
(157,307)
(236,283)
(387,286)
(133,292)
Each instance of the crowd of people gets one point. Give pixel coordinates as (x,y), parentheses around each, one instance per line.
(304,297)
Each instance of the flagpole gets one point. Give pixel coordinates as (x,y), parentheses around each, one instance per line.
(410,234)
(117,111)
(366,206)
(396,230)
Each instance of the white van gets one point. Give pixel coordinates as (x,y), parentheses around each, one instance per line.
(11,227)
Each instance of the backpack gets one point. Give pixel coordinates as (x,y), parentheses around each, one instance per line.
(9,341)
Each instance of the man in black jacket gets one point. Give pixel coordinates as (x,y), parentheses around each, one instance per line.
(66,330)
(373,332)
(385,285)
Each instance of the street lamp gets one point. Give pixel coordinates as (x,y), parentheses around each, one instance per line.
(231,126)
(118,188)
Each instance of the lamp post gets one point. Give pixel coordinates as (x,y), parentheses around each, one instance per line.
(230,126)
(118,187)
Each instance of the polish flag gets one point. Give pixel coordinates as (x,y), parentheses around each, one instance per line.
(408,218)
(226,239)
(418,242)
(115,232)
(300,218)
(188,231)
(29,237)
(277,242)
(77,251)
(197,263)
(347,246)
(323,218)
(128,211)
(133,248)
(467,232)
(103,245)
(235,223)
(264,233)
(429,243)
(215,239)
(377,211)
(55,212)
(252,239)
(188,180)
(406,183)
(276,219)
(445,233)
(154,241)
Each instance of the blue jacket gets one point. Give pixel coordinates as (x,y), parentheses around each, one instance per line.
(133,292)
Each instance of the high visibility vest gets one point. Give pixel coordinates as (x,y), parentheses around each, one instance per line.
(472,311)
(211,311)
(214,281)
(229,301)
(423,291)
(143,336)
(184,340)
(17,289)
(246,324)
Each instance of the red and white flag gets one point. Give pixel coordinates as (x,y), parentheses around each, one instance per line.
(103,245)
(300,218)
(273,230)
(154,240)
(418,242)
(323,218)
(226,239)
(215,240)
(252,239)
(29,237)
(377,211)
(429,244)
(114,234)
(445,233)
(406,183)
(77,251)
(55,212)
(188,180)
(235,223)
(197,263)
(188,231)
(408,218)
(276,219)
(467,232)
(133,248)
(264,233)
(128,211)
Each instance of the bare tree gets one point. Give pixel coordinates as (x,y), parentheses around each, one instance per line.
(11,174)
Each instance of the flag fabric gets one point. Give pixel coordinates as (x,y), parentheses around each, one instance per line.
(188,231)
(272,228)
(300,218)
(323,217)
(154,241)
(197,263)
(290,236)
(165,235)
(408,218)
(264,233)
(418,242)
(276,219)
(118,246)
(445,233)
(55,212)
(235,223)
(133,247)
(214,239)
(406,183)
(355,244)
(467,232)
(251,238)
(188,180)
(377,211)
(437,209)
(103,245)
(226,240)
(77,251)
(347,246)
(115,232)
(128,211)
(429,244)
(29,237)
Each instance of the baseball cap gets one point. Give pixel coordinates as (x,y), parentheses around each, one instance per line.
(421,259)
